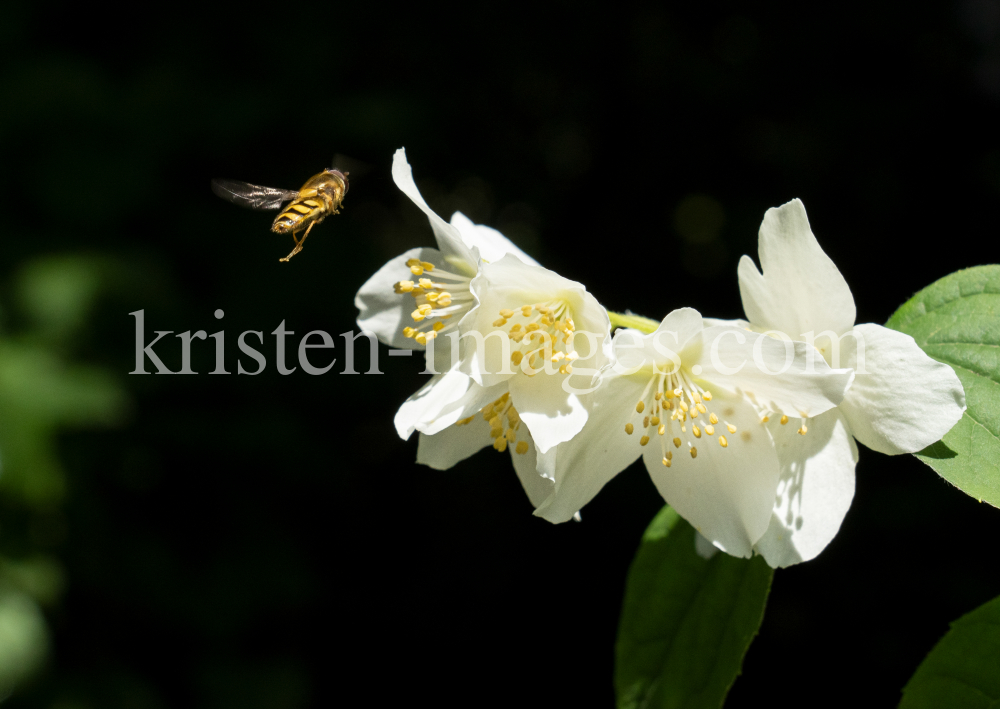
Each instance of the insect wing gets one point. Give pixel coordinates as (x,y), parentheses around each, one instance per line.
(252,196)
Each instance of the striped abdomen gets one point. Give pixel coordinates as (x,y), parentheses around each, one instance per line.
(301,212)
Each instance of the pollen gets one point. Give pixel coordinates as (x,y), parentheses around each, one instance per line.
(629,428)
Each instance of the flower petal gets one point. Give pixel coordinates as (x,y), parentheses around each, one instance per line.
(635,349)
(550,413)
(510,284)
(815,491)
(449,240)
(492,245)
(456,443)
(903,400)
(536,484)
(801,290)
(725,493)
(602,449)
(779,375)
(385,312)
(448,397)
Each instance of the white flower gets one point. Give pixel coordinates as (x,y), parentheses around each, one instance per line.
(536,343)
(437,281)
(673,398)
(478,284)
(901,400)
(425,292)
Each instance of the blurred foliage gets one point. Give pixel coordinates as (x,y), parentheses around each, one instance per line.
(42,391)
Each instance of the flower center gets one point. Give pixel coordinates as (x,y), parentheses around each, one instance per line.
(495,415)
(438,298)
(541,333)
(667,402)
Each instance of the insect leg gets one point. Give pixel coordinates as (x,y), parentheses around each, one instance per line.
(298,243)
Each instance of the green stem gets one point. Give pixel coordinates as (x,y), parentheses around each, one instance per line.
(636,322)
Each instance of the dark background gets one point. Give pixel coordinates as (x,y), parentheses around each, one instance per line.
(267,542)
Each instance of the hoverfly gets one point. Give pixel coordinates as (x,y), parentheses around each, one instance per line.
(319,197)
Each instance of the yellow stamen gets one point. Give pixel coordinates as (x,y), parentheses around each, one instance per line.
(713,419)
(803,430)
(639,407)
(731,427)
(694,452)
(723,442)
(629,428)
(644,440)
(784,419)
(710,430)
(696,431)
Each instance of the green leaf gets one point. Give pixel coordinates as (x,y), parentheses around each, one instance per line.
(957,321)
(686,622)
(963,669)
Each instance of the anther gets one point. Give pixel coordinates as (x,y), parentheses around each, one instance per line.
(666,462)
(522,447)
(723,442)
(677,443)
(701,408)
(640,407)
(765,419)
(427,266)
(629,428)
(731,427)
(645,421)
(784,419)
(696,431)
(803,430)
(438,326)
(500,444)
(713,419)
(694,452)
(662,429)
(500,322)
(710,430)
(507,313)
(644,440)
(516,357)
